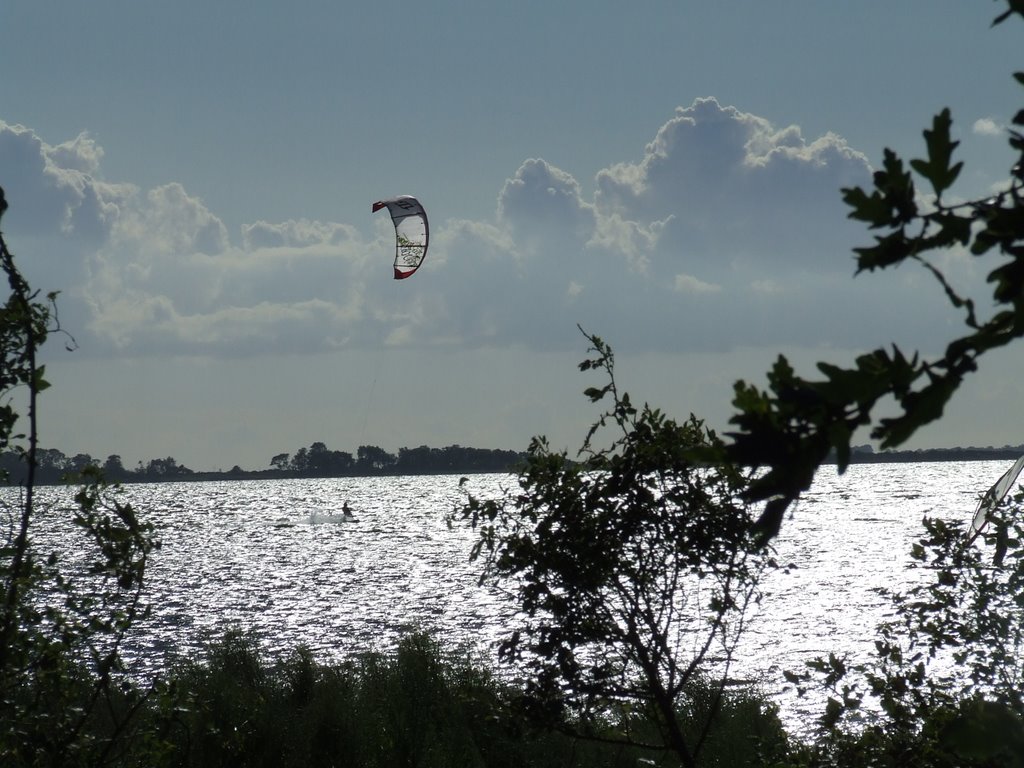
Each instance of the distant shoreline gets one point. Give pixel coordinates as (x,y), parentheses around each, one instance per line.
(865,455)
(499,461)
(857,456)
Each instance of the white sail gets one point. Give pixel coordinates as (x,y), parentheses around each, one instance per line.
(993,496)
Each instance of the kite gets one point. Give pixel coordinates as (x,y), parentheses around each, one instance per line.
(993,496)
(411,233)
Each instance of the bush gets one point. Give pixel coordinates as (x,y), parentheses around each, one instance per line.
(418,706)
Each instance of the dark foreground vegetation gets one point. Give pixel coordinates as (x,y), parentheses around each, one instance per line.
(416,706)
(635,563)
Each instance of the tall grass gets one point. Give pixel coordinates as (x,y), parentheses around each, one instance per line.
(415,707)
(418,706)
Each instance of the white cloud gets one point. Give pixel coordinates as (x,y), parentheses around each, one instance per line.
(80,154)
(167,220)
(730,187)
(987,126)
(55,189)
(541,203)
(690,284)
(296,234)
(727,231)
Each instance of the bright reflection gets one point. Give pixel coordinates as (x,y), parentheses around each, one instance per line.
(276,558)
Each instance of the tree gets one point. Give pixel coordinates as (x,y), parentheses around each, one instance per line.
(323,461)
(634,566)
(51,461)
(79,462)
(317,456)
(791,429)
(167,468)
(113,468)
(537,539)
(944,687)
(301,461)
(373,460)
(61,624)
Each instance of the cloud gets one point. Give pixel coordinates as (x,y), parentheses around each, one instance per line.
(725,186)
(988,126)
(690,284)
(295,234)
(169,280)
(169,221)
(541,201)
(55,189)
(727,231)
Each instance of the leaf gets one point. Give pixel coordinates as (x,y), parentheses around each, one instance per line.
(872,209)
(833,711)
(793,677)
(39,382)
(937,168)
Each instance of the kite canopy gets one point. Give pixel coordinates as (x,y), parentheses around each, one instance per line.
(411,232)
(993,496)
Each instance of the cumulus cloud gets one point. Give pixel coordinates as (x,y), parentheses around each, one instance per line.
(726,231)
(295,234)
(80,154)
(170,280)
(987,126)
(56,188)
(541,201)
(722,184)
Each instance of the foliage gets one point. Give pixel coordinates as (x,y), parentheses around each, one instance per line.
(791,428)
(61,625)
(945,685)
(418,705)
(634,568)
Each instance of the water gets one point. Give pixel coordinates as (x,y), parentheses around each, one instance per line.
(276,558)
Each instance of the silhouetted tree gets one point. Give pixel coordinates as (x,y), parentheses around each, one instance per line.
(634,568)
(373,460)
(79,462)
(51,462)
(113,468)
(167,468)
(791,428)
(61,624)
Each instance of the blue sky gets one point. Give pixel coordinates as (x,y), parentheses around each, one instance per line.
(196,178)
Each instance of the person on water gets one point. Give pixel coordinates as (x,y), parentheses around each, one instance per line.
(346,511)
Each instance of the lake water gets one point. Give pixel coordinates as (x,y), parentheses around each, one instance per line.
(274,557)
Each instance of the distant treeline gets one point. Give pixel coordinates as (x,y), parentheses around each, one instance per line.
(865,454)
(53,466)
(318,460)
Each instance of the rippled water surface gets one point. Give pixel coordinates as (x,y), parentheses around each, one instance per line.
(276,557)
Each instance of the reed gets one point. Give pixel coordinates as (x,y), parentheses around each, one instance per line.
(418,706)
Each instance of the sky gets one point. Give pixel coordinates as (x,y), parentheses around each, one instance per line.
(196,179)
